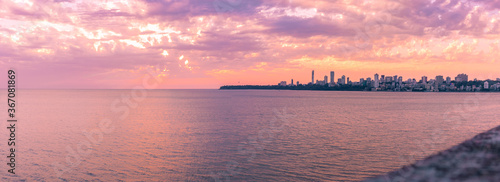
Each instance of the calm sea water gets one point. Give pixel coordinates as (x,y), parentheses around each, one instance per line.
(209,135)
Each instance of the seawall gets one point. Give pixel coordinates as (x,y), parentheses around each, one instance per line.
(476,159)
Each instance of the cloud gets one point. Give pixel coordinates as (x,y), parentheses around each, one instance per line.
(117,38)
(183,9)
(305,28)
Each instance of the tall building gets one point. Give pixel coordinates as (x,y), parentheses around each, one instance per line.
(343,79)
(291,83)
(448,80)
(312,80)
(388,79)
(424,79)
(326,79)
(348,80)
(382,78)
(376,80)
(462,78)
(439,79)
(395,78)
(332,77)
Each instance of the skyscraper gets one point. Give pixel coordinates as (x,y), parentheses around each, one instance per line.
(332,77)
(439,79)
(388,79)
(326,80)
(312,80)
(376,81)
(448,80)
(343,79)
(424,79)
(462,78)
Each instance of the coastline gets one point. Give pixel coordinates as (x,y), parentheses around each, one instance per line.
(476,159)
(326,88)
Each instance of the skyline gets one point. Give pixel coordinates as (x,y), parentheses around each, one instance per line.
(380,78)
(206,44)
(461,83)
(332,78)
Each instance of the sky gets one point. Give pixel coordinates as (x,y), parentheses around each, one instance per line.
(189,44)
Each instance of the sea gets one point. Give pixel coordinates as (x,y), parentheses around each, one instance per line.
(233,135)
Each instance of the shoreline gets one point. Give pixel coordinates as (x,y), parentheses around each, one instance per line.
(358,90)
(476,159)
(366,88)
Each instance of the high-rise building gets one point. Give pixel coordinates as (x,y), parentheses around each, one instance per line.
(486,85)
(343,79)
(348,80)
(448,80)
(388,79)
(326,79)
(439,79)
(462,78)
(424,79)
(376,84)
(395,78)
(291,83)
(382,78)
(332,77)
(312,80)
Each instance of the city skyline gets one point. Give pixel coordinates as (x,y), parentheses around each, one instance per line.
(460,77)
(460,83)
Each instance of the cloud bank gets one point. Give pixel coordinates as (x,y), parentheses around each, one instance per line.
(207,43)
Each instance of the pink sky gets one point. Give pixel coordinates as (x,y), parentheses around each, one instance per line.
(208,43)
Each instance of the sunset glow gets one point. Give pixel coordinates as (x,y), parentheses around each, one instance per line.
(209,43)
